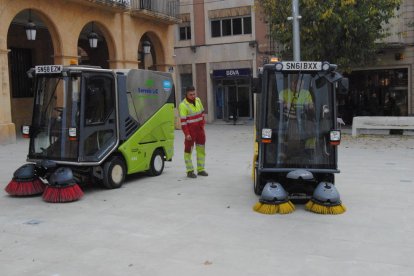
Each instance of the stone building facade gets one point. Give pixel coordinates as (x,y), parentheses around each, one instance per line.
(385,88)
(219,46)
(218,55)
(62,30)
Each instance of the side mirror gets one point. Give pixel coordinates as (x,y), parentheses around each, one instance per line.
(30,73)
(325,110)
(343,86)
(257,85)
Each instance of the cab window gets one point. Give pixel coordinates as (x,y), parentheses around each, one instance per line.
(99,100)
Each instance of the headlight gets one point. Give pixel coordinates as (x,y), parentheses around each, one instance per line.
(72,133)
(266,133)
(335,137)
(279,66)
(325,66)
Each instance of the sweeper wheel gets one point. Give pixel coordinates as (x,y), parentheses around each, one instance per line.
(257,183)
(157,163)
(114,173)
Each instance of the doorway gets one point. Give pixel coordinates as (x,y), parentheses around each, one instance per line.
(233,97)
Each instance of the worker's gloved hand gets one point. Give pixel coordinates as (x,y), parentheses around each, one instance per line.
(188,138)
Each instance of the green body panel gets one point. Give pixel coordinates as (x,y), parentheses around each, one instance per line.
(156,132)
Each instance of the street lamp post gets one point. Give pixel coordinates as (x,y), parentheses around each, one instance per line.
(296,35)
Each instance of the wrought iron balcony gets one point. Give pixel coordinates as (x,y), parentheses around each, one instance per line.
(164,10)
(110,5)
(161,10)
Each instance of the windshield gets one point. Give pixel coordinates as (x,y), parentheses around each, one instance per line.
(300,112)
(56,109)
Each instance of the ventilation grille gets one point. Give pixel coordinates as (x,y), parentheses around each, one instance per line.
(130,126)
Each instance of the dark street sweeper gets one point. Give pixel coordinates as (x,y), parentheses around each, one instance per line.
(297,135)
(93,125)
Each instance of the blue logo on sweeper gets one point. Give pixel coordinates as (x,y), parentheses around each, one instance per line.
(167,85)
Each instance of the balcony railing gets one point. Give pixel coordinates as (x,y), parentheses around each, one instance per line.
(166,10)
(110,5)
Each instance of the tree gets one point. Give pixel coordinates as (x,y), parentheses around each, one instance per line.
(344,32)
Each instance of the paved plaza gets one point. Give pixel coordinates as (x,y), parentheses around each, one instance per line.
(172,225)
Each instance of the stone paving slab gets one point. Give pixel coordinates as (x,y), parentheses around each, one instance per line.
(171,225)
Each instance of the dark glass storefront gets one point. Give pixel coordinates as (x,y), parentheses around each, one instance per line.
(381,92)
(232,93)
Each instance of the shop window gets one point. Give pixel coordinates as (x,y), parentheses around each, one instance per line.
(382,92)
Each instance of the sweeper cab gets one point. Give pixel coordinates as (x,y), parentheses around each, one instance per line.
(296,136)
(93,125)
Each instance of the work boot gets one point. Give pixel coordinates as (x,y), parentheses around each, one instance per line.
(203,173)
(191,174)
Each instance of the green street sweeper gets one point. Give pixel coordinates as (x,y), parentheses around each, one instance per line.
(297,135)
(94,125)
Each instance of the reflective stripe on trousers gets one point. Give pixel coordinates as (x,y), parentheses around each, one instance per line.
(201,157)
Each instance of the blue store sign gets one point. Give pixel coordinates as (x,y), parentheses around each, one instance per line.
(232,73)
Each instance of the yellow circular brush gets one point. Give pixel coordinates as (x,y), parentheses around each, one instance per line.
(325,200)
(274,200)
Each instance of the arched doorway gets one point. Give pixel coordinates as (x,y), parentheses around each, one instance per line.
(92,46)
(153,58)
(146,53)
(26,52)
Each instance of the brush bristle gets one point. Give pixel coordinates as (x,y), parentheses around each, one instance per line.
(25,188)
(325,210)
(270,209)
(58,194)
(286,208)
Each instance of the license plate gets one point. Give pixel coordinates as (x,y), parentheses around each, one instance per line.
(49,69)
(302,65)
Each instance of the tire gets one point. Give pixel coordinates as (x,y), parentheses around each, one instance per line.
(157,163)
(114,172)
(257,183)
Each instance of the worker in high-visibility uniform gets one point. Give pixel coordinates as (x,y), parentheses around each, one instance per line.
(298,114)
(192,123)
